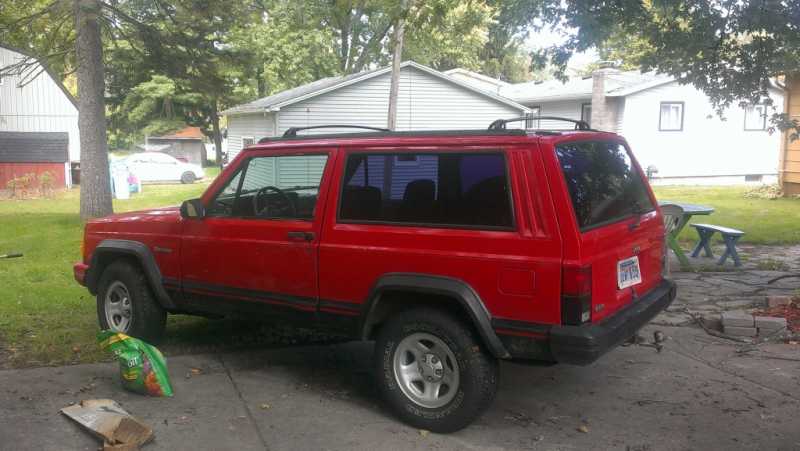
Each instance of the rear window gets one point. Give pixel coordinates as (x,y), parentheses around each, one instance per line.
(603,183)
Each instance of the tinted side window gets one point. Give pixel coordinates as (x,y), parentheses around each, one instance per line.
(284,187)
(603,183)
(438,189)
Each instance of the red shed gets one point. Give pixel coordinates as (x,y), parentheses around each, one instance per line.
(34,153)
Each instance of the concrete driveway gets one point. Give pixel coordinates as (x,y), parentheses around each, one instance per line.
(699,393)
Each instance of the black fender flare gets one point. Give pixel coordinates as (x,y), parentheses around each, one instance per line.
(454,288)
(142,254)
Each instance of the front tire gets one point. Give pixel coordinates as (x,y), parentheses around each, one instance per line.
(433,370)
(188,178)
(125,303)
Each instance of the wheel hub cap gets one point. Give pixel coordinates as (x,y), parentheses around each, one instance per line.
(431,368)
(426,370)
(117,306)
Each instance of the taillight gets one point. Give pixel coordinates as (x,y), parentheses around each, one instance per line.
(576,295)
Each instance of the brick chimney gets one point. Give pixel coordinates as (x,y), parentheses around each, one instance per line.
(604,109)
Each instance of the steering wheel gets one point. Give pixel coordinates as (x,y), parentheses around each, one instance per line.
(288,203)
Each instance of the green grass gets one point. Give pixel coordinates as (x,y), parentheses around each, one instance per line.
(46,318)
(44,314)
(764,221)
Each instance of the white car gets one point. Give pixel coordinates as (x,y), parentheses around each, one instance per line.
(160,167)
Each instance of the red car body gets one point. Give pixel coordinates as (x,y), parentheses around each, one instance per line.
(515,283)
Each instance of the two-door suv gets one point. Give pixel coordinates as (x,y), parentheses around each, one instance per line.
(450,249)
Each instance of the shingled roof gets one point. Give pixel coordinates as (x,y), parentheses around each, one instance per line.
(34,147)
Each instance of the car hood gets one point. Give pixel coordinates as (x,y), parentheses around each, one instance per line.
(167,215)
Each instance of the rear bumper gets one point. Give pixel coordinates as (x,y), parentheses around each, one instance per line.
(582,345)
(79,272)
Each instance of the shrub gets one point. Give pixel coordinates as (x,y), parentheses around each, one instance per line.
(46,183)
(764,192)
(21,185)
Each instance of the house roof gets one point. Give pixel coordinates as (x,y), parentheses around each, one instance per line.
(618,84)
(147,147)
(484,78)
(184,133)
(47,69)
(277,101)
(34,147)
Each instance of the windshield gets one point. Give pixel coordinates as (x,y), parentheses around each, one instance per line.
(603,182)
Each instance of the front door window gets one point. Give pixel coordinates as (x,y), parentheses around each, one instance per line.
(277,187)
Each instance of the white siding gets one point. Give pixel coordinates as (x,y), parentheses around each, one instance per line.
(255,125)
(425,102)
(570,109)
(707,146)
(39,106)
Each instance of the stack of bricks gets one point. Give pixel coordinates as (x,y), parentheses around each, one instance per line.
(742,324)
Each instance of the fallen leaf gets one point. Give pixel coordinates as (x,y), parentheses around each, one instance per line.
(424,432)
(583,428)
(76,349)
(265,406)
(197,371)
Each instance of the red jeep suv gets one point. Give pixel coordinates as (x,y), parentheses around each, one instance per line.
(450,249)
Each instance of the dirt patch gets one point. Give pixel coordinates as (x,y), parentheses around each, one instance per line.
(791,312)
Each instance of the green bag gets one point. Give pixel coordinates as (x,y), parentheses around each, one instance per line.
(142,367)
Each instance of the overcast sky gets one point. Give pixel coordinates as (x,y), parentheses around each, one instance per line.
(549,37)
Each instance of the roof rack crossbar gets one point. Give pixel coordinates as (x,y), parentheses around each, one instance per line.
(292,131)
(500,124)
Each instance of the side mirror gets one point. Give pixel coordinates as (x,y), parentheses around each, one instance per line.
(193,209)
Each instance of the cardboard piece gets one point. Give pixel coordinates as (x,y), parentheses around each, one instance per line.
(109,422)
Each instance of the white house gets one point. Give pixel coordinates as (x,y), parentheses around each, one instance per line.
(38,121)
(427,100)
(671,128)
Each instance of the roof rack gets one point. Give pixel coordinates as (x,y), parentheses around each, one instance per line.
(500,124)
(292,131)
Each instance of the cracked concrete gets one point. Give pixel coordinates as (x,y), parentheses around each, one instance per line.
(713,289)
(699,393)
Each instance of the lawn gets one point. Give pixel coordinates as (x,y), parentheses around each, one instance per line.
(764,221)
(46,318)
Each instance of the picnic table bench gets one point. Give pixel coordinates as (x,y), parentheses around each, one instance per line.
(729,236)
(688,210)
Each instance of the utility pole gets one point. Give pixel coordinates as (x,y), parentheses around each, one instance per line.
(397,58)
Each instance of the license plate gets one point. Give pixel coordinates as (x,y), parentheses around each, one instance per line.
(628,273)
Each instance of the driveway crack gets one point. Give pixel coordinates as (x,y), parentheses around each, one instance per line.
(738,376)
(244,403)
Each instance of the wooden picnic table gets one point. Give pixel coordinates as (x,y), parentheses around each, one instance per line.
(689,210)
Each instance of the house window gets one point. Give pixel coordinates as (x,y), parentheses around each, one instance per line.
(443,190)
(586,113)
(531,120)
(247,141)
(755,117)
(671,116)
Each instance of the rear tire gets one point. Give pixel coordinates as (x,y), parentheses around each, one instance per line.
(125,303)
(188,178)
(433,371)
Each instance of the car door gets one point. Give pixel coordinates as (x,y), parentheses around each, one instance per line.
(165,167)
(256,247)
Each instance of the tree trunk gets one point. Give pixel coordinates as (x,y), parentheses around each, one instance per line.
(397,57)
(95,179)
(217,133)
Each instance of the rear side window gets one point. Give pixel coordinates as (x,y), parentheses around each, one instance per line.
(603,183)
(446,189)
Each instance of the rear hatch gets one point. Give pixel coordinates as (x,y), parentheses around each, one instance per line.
(621,235)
